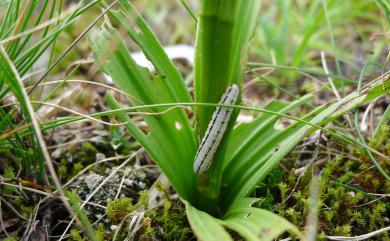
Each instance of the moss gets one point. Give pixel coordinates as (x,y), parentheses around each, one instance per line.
(88,147)
(26,211)
(143,200)
(173,221)
(8,173)
(149,231)
(77,167)
(346,177)
(283,188)
(382,138)
(63,168)
(293,215)
(377,215)
(118,209)
(329,215)
(168,222)
(344,230)
(345,207)
(75,235)
(321,236)
(11,239)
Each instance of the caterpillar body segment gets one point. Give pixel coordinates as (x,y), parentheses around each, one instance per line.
(215,131)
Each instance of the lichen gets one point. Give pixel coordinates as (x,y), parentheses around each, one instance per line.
(93,180)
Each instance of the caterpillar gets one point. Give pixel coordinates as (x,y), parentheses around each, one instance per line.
(215,131)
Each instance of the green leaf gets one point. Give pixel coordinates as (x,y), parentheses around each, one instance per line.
(384,119)
(270,146)
(251,223)
(256,224)
(224,31)
(171,140)
(222,43)
(244,137)
(386,7)
(87,226)
(205,226)
(142,34)
(252,144)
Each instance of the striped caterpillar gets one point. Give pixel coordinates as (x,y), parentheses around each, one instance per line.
(215,131)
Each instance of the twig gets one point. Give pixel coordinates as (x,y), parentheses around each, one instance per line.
(93,164)
(360,237)
(330,80)
(312,217)
(365,204)
(120,186)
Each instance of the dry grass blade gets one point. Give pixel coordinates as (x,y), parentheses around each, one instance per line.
(360,237)
(87,117)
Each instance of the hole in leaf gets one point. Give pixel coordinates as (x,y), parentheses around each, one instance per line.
(178,125)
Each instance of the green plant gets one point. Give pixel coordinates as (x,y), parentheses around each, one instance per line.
(346,208)
(171,219)
(287,31)
(247,153)
(118,209)
(27,30)
(87,226)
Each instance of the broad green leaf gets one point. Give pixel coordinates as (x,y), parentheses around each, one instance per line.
(244,136)
(170,141)
(224,31)
(251,223)
(205,226)
(240,179)
(222,43)
(141,33)
(386,7)
(252,144)
(255,223)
